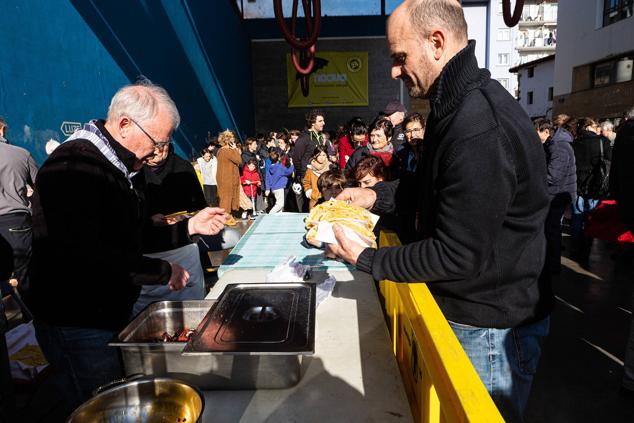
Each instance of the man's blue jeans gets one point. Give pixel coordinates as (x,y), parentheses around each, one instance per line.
(505,360)
(82,358)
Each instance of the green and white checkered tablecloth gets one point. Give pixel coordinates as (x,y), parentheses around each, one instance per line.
(273,238)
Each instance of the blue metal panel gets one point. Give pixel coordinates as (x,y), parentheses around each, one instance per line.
(52,71)
(63,61)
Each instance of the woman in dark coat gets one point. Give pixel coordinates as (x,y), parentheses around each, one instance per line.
(587,147)
(562,182)
(168,184)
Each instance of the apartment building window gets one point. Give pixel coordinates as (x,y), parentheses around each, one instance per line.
(550,93)
(499,7)
(616,10)
(529,97)
(531,72)
(503,59)
(504,34)
(613,71)
(504,82)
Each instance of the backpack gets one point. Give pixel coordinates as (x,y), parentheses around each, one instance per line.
(597,184)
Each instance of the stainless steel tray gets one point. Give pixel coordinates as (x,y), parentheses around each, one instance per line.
(206,370)
(253,319)
(163,316)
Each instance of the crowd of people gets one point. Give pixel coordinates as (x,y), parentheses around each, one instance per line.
(476,198)
(293,170)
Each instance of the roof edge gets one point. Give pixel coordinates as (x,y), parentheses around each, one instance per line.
(532,63)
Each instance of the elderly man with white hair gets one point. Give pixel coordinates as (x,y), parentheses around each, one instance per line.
(607,130)
(88,267)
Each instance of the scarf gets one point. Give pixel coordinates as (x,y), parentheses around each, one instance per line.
(386,153)
(91,133)
(318,168)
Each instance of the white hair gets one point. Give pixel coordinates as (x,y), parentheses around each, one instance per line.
(629,113)
(141,102)
(606,125)
(50,146)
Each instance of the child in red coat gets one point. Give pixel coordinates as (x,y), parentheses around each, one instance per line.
(250,180)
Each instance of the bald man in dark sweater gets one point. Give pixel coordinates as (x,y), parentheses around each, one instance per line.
(483,196)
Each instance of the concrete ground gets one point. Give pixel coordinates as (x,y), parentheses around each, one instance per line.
(580,370)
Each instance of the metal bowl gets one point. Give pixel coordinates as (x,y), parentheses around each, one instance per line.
(143,400)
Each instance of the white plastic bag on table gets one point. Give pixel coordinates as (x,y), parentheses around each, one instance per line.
(26,357)
(324,289)
(289,271)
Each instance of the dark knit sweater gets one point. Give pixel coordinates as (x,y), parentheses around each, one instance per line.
(481,244)
(87,265)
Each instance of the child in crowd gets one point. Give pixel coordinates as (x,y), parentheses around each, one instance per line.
(293,134)
(330,184)
(207,164)
(277,178)
(250,180)
(370,171)
(319,164)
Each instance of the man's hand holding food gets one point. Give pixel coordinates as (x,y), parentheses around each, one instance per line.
(345,248)
(208,221)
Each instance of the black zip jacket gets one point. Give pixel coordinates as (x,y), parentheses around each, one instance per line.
(484,200)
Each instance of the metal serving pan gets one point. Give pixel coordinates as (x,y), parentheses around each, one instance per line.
(236,364)
(277,318)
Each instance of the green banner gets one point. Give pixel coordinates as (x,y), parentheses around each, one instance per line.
(337,79)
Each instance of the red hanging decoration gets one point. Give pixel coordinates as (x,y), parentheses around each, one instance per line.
(305,63)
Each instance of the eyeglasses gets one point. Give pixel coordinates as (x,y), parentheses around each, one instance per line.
(157,144)
(409,131)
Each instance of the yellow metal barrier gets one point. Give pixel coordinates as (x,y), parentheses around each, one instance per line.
(441,383)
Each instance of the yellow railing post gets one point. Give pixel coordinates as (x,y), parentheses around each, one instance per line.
(441,383)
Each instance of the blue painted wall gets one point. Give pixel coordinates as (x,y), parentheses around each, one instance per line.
(63,61)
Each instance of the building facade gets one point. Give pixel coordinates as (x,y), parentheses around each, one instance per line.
(536,86)
(536,33)
(501,47)
(593,71)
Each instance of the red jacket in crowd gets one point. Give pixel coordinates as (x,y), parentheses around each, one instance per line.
(346,148)
(250,189)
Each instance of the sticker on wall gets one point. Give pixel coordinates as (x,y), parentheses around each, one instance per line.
(68,128)
(337,79)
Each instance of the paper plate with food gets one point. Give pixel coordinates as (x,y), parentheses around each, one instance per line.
(357,224)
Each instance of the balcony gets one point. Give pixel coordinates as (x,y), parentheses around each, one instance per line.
(536,23)
(536,41)
(547,49)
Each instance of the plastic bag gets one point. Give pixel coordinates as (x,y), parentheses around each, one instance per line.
(289,271)
(26,357)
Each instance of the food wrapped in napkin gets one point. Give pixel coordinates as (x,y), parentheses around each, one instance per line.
(357,223)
